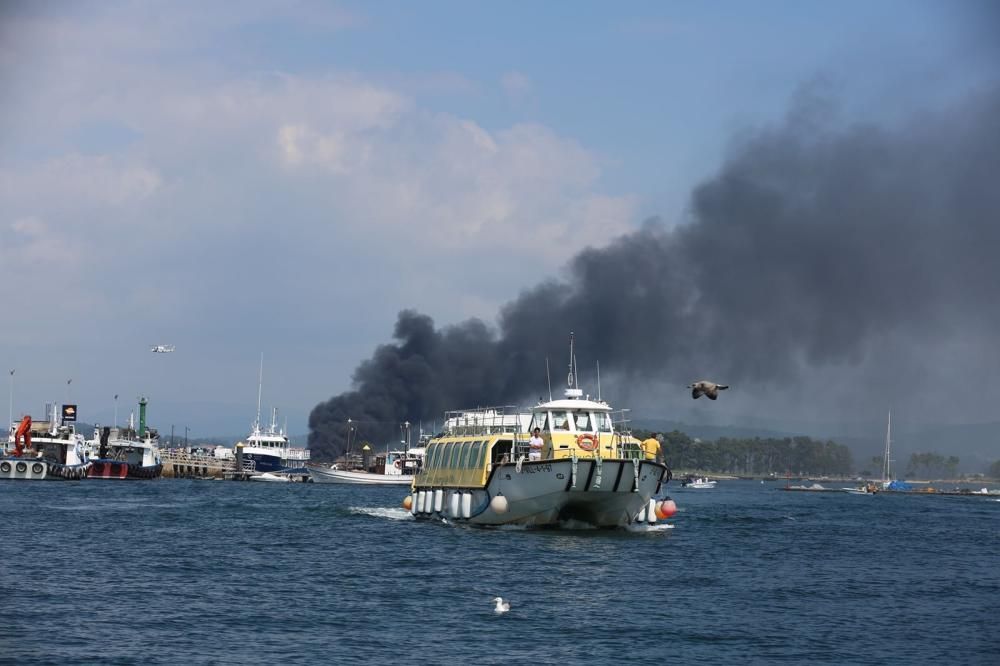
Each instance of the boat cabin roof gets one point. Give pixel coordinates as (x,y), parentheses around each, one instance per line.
(577,404)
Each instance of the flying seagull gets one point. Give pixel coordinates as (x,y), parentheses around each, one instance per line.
(711,389)
(502,606)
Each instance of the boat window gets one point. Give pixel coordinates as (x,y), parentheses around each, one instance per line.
(463,454)
(475,455)
(537,421)
(453,458)
(560,420)
(582,420)
(604,422)
(442,458)
(431,452)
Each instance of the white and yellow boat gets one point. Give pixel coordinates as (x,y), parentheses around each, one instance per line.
(592,472)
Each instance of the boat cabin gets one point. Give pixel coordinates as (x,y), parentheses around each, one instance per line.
(473,442)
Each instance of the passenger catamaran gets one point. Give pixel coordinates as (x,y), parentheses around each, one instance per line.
(592,470)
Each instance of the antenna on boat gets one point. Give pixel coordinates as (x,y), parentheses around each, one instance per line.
(348,441)
(598,381)
(548,378)
(572,359)
(260,384)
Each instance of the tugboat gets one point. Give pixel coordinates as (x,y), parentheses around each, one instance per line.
(591,471)
(45,450)
(123,455)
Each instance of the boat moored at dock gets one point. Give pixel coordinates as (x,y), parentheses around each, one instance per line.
(38,450)
(125,453)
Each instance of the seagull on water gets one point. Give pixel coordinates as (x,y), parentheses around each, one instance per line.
(703,387)
(502,606)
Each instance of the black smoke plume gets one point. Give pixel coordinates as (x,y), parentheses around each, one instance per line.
(814,247)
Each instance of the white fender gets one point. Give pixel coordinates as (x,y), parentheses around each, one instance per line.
(438,500)
(453,504)
(420,501)
(641,518)
(651,511)
(466,505)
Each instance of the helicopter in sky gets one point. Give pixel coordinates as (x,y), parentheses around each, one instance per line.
(162,349)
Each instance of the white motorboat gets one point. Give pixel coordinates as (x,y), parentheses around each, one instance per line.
(700,482)
(395,468)
(272,478)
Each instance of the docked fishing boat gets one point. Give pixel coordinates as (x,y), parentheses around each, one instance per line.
(125,453)
(52,449)
(590,471)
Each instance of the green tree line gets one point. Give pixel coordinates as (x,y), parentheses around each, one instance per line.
(798,456)
(932,466)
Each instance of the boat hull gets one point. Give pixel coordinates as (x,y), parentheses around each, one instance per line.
(265,463)
(587,492)
(108,469)
(38,469)
(327,475)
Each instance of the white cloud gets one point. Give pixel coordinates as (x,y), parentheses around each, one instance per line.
(242,188)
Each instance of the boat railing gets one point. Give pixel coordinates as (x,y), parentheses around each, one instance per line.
(485,421)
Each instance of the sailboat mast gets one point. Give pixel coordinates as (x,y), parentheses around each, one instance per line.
(888,441)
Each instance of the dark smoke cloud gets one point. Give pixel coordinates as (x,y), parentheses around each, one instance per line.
(815,247)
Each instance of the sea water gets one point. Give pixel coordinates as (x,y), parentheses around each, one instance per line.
(192,572)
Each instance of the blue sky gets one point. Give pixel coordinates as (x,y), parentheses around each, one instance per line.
(285,177)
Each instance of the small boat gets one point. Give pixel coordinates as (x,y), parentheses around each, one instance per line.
(867,489)
(590,471)
(273,478)
(699,482)
(45,449)
(394,468)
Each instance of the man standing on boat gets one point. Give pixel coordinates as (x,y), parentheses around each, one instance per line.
(535,445)
(651,447)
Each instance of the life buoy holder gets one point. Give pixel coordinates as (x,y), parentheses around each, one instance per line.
(586,441)
(397,465)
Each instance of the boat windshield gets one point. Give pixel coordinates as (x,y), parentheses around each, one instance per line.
(604,423)
(560,420)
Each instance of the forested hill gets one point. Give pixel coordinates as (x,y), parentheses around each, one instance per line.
(799,456)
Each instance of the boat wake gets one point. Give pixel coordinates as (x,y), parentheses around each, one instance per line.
(382,512)
(643,528)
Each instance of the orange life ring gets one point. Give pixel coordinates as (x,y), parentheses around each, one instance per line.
(397,465)
(586,441)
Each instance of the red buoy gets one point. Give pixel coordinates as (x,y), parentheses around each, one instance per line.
(668,508)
